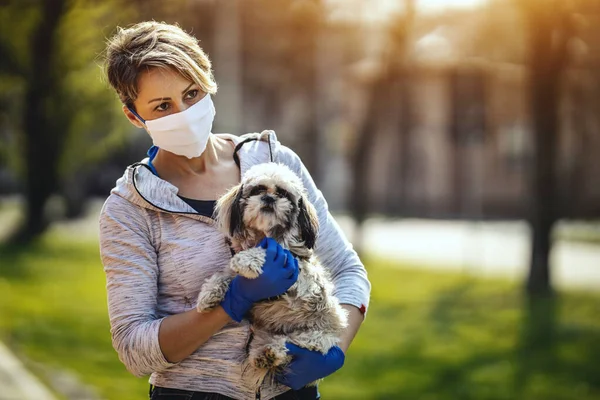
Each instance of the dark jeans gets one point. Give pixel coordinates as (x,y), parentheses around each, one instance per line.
(160,393)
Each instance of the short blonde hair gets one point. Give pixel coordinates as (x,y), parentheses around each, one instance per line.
(152,44)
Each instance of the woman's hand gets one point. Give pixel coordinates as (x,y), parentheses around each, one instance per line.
(279,273)
(308,365)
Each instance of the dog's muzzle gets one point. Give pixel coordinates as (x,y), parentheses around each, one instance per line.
(268,203)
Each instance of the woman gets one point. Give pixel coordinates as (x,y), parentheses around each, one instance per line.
(159,244)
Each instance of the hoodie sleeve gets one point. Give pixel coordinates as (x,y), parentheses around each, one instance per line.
(349,276)
(130,264)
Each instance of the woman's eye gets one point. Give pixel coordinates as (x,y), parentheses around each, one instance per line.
(191,94)
(162,107)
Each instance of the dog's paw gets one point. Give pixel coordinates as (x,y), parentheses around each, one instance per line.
(272,357)
(315,383)
(248,263)
(212,293)
(314,340)
(207,302)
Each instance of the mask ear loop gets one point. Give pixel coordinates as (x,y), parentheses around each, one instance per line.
(152,151)
(236,158)
(270,150)
(137,115)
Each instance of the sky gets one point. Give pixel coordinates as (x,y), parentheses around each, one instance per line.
(377,10)
(436,5)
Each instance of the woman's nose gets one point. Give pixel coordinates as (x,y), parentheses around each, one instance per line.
(182,107)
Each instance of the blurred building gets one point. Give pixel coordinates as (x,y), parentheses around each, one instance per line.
(450,139)
(469,142)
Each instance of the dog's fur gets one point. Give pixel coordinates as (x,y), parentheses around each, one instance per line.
(271,201)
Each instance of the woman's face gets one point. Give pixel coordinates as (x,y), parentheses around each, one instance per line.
(163,92)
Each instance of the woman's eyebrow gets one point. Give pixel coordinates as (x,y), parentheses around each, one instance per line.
(168,98)
(159,99)
(185,90)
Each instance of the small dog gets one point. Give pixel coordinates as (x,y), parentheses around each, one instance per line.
(271,202)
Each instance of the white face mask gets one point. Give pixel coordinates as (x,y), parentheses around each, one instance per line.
(185,133)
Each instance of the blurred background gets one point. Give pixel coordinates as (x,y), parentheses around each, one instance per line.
(455,141)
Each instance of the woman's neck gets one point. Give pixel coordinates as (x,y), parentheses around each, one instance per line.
(169,165)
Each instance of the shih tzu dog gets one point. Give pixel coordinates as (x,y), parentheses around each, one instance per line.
(271,202)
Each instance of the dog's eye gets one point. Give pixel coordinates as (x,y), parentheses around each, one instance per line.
(257,190)
(282,192)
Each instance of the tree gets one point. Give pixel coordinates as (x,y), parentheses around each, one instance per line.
(43,135)
(281,77)
(549,29)
(49,52)
(389,85)
(305,27)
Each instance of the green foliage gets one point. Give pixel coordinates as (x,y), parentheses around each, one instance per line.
(83,106)
(17,21)
(427,335)
(96,125)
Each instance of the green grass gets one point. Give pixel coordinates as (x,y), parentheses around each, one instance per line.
(53,311)
(428,335)
(447,336)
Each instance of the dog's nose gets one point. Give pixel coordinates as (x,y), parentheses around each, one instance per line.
(268,199)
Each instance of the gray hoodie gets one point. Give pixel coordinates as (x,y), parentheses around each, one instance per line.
(157,251)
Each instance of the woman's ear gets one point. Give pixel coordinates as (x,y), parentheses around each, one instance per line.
(308,221)
(228,211)
(132,118)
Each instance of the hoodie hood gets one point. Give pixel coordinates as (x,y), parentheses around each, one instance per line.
(140,186)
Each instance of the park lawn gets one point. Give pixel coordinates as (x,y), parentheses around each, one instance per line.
(428,335)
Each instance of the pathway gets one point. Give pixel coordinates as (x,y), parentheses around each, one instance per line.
(16,382)
(481,248)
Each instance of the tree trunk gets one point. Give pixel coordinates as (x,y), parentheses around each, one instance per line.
(405,125)
(228,62)
(361,158)
(305,26)
(43,138)
(404,74)
(309,130)
(545,120)
(548,52)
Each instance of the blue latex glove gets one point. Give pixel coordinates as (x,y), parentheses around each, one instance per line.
(308,365)
(279,273)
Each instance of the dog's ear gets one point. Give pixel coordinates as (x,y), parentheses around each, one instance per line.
(308,222)
(236,223)
(228,211)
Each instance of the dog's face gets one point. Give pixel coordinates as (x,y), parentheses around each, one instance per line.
(269,200)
